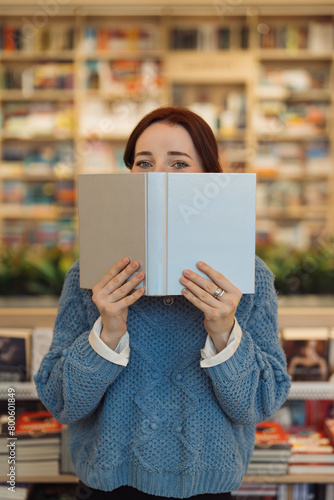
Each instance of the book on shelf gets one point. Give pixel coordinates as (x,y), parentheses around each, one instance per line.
(208,37)
(30,37)
(124,76)
(317,411)
(312,452)
(281,82)
(40,160)
(315,37)
(267,468)
(99,120)
(309,439)
(21,492)
(270,435)
(249,491)
(184,38)
(15,354)
(306,491)
(36,442)
(60,232)
(312,458)
(37,423)
(41,342)
(32,467)
(291,119)
(310,468)
(173,221)
(29,119)
(320,36)
(318,158)
(271,449)
(38,76)
(33,429)
(288,37)
(122,38)
(307,352)
(329,429)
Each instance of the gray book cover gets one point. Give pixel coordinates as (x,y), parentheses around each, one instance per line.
(168,222)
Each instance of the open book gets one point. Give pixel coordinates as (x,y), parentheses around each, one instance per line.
(168,222)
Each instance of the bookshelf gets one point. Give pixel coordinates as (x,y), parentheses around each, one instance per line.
(86,73)
(77,83)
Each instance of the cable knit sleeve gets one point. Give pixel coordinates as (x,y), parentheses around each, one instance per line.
(72,377)
(253,383)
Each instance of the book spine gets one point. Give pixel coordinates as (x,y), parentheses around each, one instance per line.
(156,237)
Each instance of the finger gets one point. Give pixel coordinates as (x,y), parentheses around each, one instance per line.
(128,300)
(117,281)
(219,279)
(202,282)
(201,291)
(125,289)
(116,269)
(202,306)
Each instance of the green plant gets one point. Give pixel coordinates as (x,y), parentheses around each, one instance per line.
(34,271)
(309,271)
(41,271)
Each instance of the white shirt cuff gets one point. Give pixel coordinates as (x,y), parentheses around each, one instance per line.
(209,353)
(120,356)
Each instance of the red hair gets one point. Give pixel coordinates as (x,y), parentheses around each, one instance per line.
(201,134)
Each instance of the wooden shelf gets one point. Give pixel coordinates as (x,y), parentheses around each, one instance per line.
(36,55)
(45,212)
(300,55)
(59,478)
(36,138)
(37,95)
(27,317)
(290,479)
(121,54)
(307,95)
(35,178)
(273,137)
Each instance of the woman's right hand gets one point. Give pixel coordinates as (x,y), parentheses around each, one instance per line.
(111,297)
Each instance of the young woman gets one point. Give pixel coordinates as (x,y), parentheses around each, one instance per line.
(162,394)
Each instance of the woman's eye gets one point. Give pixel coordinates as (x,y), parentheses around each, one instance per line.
(143,164)
(180,164)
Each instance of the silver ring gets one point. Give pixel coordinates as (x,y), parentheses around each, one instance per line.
(218,293)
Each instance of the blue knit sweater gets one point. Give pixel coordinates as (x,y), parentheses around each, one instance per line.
(163,424)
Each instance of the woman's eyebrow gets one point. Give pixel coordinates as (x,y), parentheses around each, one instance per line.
(170,153)
(178,153)
(145,153)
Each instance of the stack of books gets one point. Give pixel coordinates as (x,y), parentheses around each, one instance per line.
(271,451)
(312,451)
(36,443)
(21,492)
(259,492)
(316,37)
(29,37)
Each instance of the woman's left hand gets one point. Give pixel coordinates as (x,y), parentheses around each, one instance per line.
(219,312)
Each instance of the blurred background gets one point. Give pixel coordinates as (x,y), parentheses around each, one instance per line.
(76,77)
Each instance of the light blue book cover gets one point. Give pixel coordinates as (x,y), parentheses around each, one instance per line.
(168,221)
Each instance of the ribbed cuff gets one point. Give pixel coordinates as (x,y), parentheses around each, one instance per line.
(236,364)
(81,352)
(209,353)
